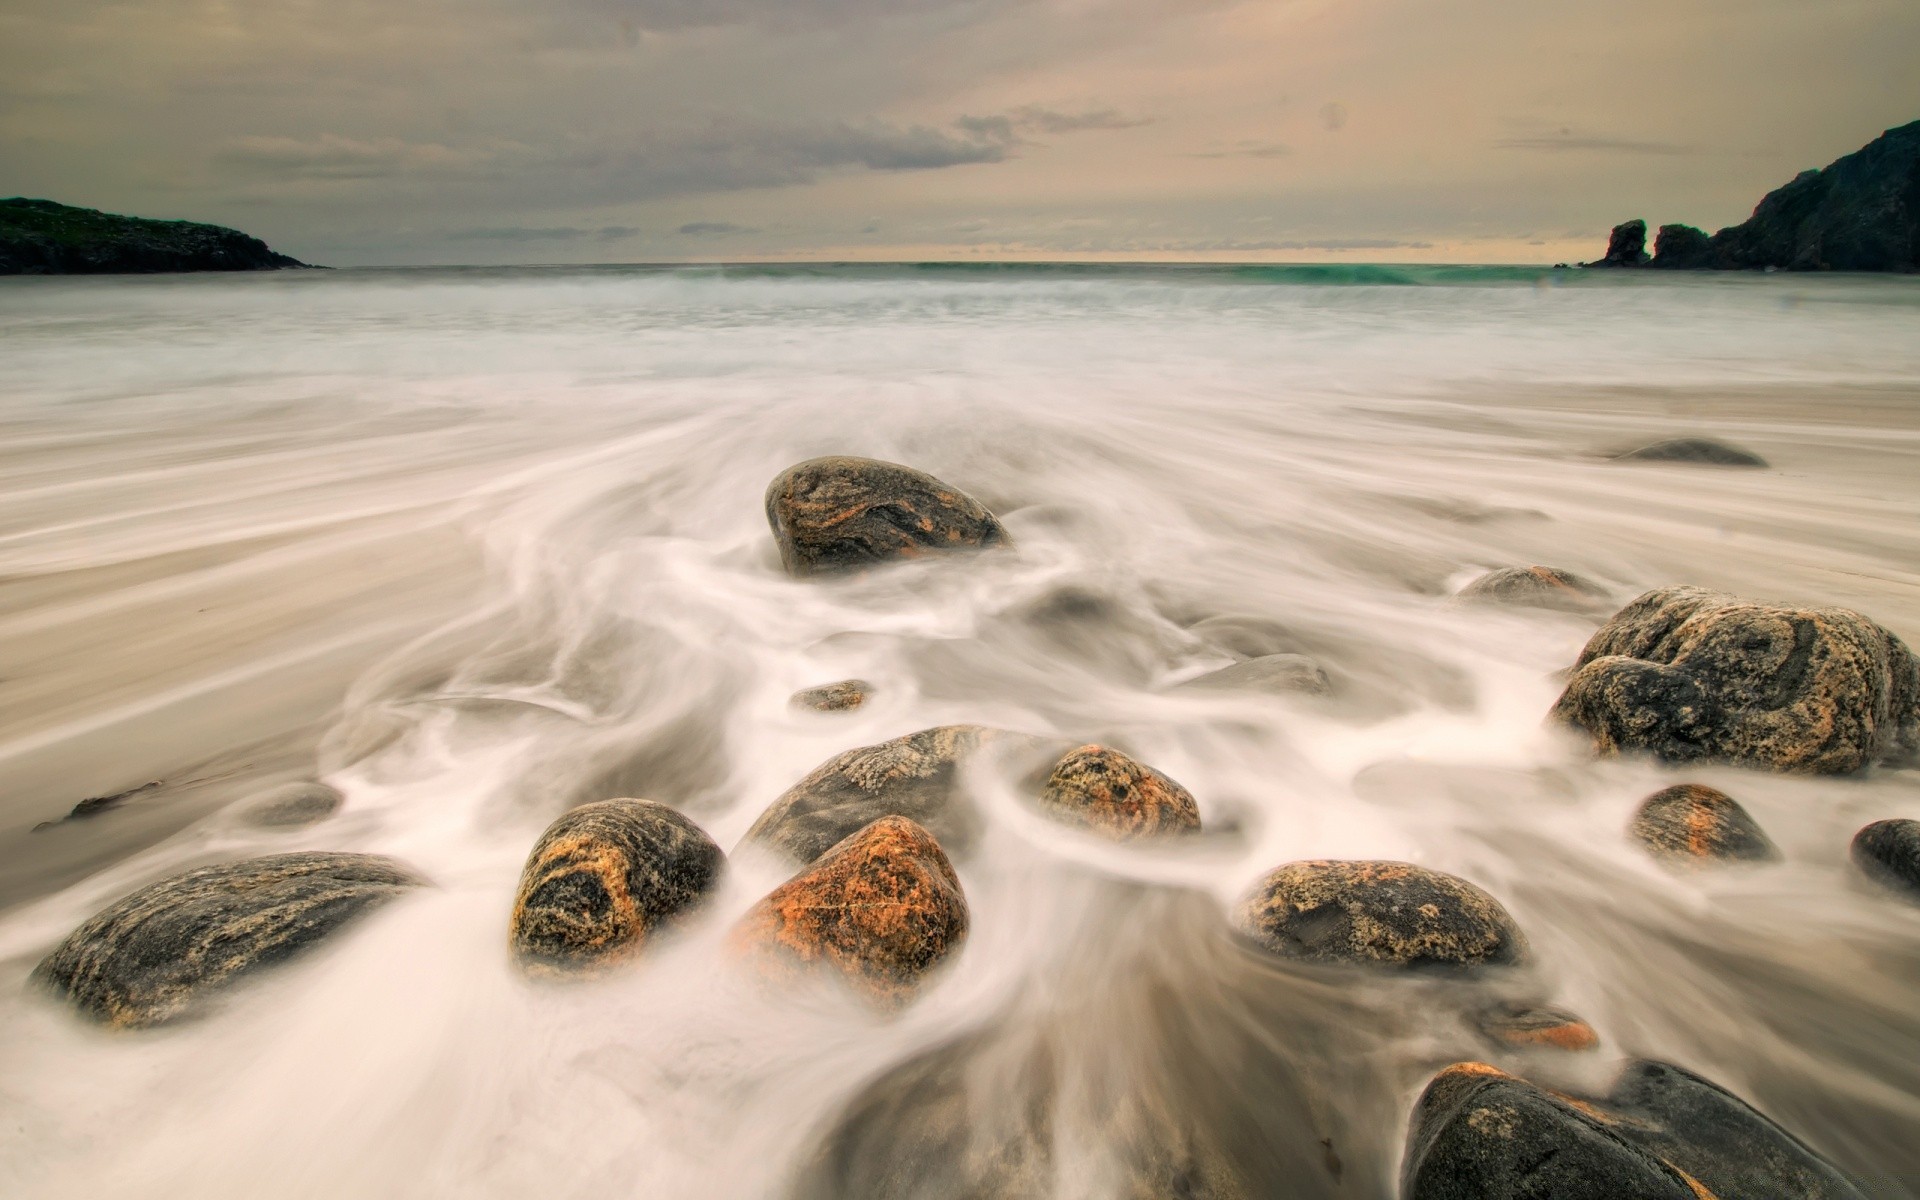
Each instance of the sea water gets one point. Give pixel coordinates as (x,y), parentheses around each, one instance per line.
(478,545)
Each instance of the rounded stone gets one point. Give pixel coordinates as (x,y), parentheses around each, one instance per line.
(1536,587)
(1706,451)
(1378,914)
(602,879)
(1888,852)
(881,909)
(1106,791)
(156,954)
(291,804)
(841,514)
(1522,1026)
(1691,822)
(844,696)
(1277,674)
(1690,675)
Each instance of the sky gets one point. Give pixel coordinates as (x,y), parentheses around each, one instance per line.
(356,132)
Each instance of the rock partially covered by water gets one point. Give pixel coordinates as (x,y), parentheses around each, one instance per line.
(840,514)
(1536,587)
(1106,791)
(1682,248)
(293,804)
(844,696)
(154,955)
(1626,246)
(1276,674)
(1378,914)
(1691,675)
(1889,853)
(881,908)
(1706,451)
(1523,1026)
(1691,822)
(603,878)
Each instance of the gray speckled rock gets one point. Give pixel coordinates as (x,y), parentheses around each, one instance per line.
(840,514)
(1104,790)
(1888,852)
(152,956)
(1691,822)
(1694,450)
(1537,587)
(844,696)
(1691,675)
(602,879)
(1276,674)
(1377,913)
(293,804)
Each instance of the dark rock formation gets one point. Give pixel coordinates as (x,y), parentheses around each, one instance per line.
(152,956)
(1705,451)
(840,514)
(40,237)
(1626,246)
(94,806)
(1379,914)
(1523,1026)
(603,878)
(1106,791)
(1889,853)
(844,696)
(1691,822)
(1691,675)
(1276,674)
(293,804)
(881,908)
(1682,248)
(1536,587)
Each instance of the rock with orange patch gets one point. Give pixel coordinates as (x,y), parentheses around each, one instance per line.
(1379,914)
(881,909)
(838,514)
(1691,822)
(844,696)
(1537,587)
(602,879)
(1106,791)
(1530,1026)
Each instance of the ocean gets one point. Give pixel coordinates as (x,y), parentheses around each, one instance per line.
(476,545)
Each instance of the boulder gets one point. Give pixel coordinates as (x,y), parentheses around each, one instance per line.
(1110,793)
(293,804)
(1690,675)
(881,908)
(1888,852)
(1536,587)
(839,514)
(1626,246)
(1389,914)
(1691,822)
(1274,674)
(844,696)
(1681,248)
(1704,451)
(1523,1026)
(156,954)
(602,879)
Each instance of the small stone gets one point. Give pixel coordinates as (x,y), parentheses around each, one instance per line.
(293,804)
(841,514)
(882,908)
(156,954)
(1524,1026)
(1705,451)
(1889,853)
(1536,587)
(602,879)
(1277,674)
(1378,914)
(1106,791)
(1696,823)
(844,696)
(1690,675)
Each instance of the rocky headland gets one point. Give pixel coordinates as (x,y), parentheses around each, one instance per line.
(42,237)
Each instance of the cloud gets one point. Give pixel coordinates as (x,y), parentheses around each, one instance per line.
(1248,150)
(331,156)
(669,15)
(712,228)
(1568,140)
(563,233)
(1008,127)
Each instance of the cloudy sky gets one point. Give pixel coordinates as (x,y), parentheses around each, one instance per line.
(493,131)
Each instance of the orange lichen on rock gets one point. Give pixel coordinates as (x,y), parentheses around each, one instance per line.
(841,514)
(1693,822)
(1378,913)
(1527,1026)
(1106,791)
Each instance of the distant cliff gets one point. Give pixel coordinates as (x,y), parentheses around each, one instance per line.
(1862,213)
(40,237)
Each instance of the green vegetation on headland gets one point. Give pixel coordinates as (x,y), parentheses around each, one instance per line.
(1862,213)
(41,237)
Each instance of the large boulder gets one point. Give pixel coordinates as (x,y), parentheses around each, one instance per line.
(1691,822)
(881,909)
(1104,790)
(156,954)
(841,514)
(1691,675)
(1391,914)
(1889,853)
(602,879)
(1626,246)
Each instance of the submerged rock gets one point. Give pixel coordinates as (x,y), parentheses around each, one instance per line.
(881,908)
(603,878)
(840,514)
(1691,675)
(1889,853)
(1706,451)
(154,955)
(1378,914)
(292,804)
(1104,790)
(1524,1026)
(1277,674)
(1626,246)
(844,696)
(1693,822)
(1536,587)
